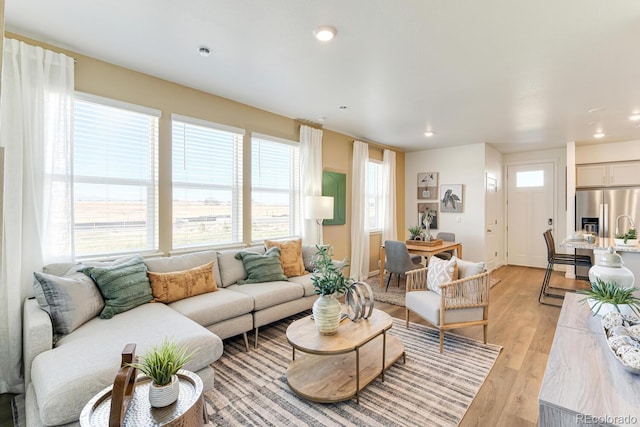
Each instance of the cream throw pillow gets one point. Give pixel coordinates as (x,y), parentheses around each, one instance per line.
(290,256)
(468,268)
(441,272)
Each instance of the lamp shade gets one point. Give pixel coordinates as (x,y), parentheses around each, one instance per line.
(318,207)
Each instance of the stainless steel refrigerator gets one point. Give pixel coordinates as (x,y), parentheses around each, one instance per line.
(598,209)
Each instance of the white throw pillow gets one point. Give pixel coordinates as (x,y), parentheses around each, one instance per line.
(468,268)
(441,272)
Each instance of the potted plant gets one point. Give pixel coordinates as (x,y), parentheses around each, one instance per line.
(161,364)
(328,281)
(604,297)
(414,231)
(630,238)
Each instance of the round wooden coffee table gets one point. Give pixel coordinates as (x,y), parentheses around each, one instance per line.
(336,367)
(187,411)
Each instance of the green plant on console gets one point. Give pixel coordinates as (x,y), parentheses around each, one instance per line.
(162,362)
(610,293)
(327,276)
(629,235)
(414,231)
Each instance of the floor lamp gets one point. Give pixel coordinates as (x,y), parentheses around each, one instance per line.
(318,208)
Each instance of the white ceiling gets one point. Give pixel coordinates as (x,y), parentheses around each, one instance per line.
(520,75)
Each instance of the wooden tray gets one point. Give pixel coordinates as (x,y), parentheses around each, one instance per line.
(434,242)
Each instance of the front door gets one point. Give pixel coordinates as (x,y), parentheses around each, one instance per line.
(530,208)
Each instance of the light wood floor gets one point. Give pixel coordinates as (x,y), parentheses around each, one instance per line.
(525,329)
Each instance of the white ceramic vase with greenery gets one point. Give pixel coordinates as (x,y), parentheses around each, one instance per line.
(328,281)
(604,297)
(161,364)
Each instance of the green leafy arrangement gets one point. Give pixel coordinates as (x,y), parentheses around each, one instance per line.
(415,230)
(610,293)
(162,362)
(327,276)
(629,235)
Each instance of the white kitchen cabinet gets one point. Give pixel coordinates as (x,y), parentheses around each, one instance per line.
(608,174)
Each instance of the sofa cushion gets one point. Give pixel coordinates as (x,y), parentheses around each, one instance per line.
(308,256)
(232,269)
(70,300)
(88,359)
(177,285)
(261,268)
(210,308)
(271,293)
(305,281)
(290,256)
(427,305)
(171,263)
(123,286)
(440,272)
(468,268)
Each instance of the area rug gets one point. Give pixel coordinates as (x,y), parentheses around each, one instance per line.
(395,295)
(429,389)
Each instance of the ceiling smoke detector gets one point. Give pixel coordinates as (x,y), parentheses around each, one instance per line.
(204,51)
(324,33)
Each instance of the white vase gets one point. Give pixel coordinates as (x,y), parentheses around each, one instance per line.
(609,268)
(326,314)
(165,395)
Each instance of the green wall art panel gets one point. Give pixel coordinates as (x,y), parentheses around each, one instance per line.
(334,184)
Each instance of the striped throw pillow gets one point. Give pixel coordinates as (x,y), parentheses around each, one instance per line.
(261,268)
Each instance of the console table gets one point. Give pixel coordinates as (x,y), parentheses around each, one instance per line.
(583,383)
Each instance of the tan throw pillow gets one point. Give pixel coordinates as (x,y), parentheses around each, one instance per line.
(290,256)
(441,272)
(177,285)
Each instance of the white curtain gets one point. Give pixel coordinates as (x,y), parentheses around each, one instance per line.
(311,179)
(359,215)
(388,178)
(36,116)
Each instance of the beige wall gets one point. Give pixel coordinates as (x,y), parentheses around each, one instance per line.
(111,81)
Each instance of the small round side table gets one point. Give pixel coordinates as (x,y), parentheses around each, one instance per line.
(187,411)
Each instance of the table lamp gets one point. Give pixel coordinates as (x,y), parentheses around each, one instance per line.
(318,208)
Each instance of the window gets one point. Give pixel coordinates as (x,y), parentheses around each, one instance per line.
(374,195)
(207,183)
(275,188)
(115,178)
(530,179)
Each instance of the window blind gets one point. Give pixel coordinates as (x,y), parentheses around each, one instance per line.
(207,183)
(115,165)
(275,188)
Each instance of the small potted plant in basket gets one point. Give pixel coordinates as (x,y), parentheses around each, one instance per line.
(328,281)
(604,297)
(161,364)
(414,231)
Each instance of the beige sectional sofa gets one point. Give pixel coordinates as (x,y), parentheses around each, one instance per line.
(61,378)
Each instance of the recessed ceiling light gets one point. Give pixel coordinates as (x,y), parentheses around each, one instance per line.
(204,51)
(343,107)
(429,133)
(634,117)
(599,135)
(324,33)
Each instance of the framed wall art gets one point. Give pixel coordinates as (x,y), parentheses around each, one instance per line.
(334,184)
(451,198)
(428,186)
(424,211)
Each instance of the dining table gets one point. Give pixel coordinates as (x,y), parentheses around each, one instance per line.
(425,251)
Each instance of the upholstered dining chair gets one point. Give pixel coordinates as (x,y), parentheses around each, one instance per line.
(447,237)
(398,260)
(459,303)
(554,258)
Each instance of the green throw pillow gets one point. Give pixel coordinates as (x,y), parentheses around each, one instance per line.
(123,286)
(261,268)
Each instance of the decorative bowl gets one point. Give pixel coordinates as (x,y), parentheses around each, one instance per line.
(616,334)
